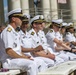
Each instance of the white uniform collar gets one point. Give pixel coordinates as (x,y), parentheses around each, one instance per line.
(23,32)
(33,30)
(69,33)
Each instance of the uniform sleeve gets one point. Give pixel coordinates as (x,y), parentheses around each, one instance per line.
(68,38)
(8,39)
(50,36)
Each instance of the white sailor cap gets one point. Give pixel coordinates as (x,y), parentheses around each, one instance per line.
(64,24)
(26,15)
(57,22)
(15,12)
(37,18)
(70,25)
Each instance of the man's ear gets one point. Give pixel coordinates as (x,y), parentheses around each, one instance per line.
(34,25)
(13,19)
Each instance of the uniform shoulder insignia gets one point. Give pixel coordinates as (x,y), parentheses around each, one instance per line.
(51,31)
(32,33)
(9,29)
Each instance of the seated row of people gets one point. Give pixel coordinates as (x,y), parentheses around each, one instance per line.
(32,50)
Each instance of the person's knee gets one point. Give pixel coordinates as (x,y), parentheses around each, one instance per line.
(33,64)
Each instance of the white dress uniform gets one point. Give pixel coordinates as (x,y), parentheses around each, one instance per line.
(26,42)
(46,46)
(69,38)
(10,39)
(51,35)
(37,42)
(43,39)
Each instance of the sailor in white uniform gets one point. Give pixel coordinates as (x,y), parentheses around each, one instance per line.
(45,45)
(36,24)
(71,39)
(11,51)
(70,34)
(26,42)
(54,39)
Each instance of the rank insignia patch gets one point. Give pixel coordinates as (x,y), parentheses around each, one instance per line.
(51,31)
(9,29)
(32,33)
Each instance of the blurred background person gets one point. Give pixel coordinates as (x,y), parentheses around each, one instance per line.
(2,27)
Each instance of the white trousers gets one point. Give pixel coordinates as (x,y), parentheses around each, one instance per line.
(40,63)
(58,60)
(72,56)
(42,66)
(22,64)
(48,61)
(64,56)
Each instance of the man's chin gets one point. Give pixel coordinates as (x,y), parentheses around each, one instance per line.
(19,25)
